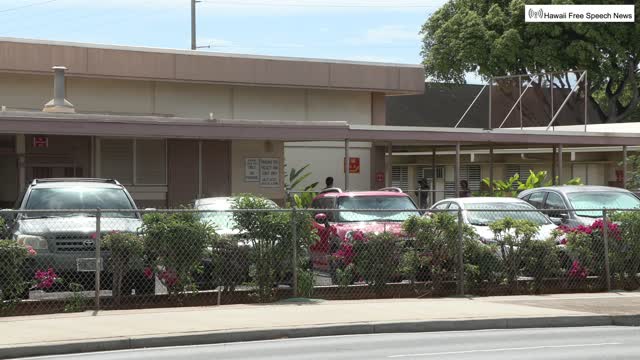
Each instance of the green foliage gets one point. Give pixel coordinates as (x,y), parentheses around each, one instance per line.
(229,262)
(123,249)
(436,241)
(534,180)
(270,235)
(513,237)
(492,39)
(174,244)
(12,284)
(624,247)
(294,183)
(78,302)
(345,275)
(633,172)
(376,259)
(540,260)
(482,265)
(305,283)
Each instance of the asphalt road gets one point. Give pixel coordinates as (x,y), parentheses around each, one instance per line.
(547,344)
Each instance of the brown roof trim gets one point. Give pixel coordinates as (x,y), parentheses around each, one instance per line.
(16,122)
(91,60)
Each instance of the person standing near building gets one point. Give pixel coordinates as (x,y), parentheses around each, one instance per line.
(423,193)
(328,182)
(464,189)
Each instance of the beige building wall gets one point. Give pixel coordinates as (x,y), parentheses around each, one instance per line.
(241,150)
(93,95)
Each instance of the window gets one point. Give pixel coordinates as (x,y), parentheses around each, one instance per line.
(400,177)
(470,173)
(586,201)
(134,162)
(442,206)
(536,199)
(554,202)
(400,208)
(72,198)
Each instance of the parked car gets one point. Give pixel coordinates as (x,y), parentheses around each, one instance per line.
(65,240)
(475,212)
(575,205)
(336,226)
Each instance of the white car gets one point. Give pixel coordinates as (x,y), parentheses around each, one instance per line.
(220,215)
(479,212)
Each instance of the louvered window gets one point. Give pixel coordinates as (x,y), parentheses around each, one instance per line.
(117,160)
(400,177)
(150,162)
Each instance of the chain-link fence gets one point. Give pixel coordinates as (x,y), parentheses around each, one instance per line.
(55,260)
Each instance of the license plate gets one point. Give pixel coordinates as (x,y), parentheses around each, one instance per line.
(87,264)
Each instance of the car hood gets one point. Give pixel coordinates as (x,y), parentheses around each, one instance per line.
(544,232)
(76,224)
(368,227)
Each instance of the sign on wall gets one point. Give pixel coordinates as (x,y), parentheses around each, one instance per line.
(251,170)
(354,165)
(40,142)
(269,172)
(380,177)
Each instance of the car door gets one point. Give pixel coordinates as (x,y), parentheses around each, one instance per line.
(536,199)
(556,208)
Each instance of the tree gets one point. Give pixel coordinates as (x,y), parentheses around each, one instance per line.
(492,39)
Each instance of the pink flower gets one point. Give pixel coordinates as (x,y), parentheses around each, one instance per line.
(170,278)
(345,253)
(148,273)
(31,251)
(46,279)
(577,270)
(563,241)
(358,236)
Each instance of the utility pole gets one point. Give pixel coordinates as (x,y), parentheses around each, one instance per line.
(193,25)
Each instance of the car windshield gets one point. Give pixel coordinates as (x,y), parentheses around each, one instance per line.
(220,220)
(477,214)
(71,198)
(599,200)
(363,203)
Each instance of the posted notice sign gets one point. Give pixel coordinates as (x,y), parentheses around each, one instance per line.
(269,172)
(251,170)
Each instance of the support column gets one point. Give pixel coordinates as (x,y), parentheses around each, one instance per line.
(553,165)
(21,149)
(456,173)
(389,164)
(490,92)
(560,181)
(433,176)
(346,164)
(491,164)
(624,166)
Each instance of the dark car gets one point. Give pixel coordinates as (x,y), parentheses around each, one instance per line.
(575,205)
(64,235)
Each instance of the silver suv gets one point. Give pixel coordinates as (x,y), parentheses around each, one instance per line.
(64,235)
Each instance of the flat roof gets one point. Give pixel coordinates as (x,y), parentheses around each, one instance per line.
(143,63)
(35,122)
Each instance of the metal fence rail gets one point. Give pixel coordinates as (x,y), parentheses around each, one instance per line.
(75,260)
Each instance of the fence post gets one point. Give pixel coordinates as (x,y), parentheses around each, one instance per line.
(98,260)
(605,239)
(460,254)
(294,242)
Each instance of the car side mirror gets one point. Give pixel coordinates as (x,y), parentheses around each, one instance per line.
(560,219)
(322,219)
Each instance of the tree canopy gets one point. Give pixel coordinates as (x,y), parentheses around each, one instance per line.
(490,37)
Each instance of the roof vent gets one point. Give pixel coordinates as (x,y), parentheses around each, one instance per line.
(59,104)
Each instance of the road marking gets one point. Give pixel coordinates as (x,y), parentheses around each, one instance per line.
(502,349)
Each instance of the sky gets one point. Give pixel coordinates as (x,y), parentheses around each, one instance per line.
(363,30)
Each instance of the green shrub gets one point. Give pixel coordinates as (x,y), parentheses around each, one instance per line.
(13,285)
(270,236)
(624,247)
(124,249)
(229,263)
(376,259)
(482,265)
(78,301)
(540,260)
(513,238)
(174,244)
(436,242)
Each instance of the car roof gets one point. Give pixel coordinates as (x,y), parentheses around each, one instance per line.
(223,202)
(361,193)
(576,188)
(484,199)
(66,183)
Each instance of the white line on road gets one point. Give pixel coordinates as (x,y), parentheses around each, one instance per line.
(503,349)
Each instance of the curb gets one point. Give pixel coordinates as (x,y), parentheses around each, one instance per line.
(217,337)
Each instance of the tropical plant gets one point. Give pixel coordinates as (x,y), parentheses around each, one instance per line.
(492,39)
(302,195)
(534,180)
(12,283)
(78,301)
(503,188)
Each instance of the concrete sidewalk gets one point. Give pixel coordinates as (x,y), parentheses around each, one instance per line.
(110,330)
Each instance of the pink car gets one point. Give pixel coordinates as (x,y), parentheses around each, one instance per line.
(341,215)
